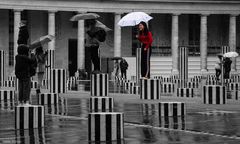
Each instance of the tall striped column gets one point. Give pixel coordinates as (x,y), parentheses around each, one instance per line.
(150,88)
(2,73)
(214,94)
(50,63)
(101,104)
(48,99)
(58,81)
(28,117)
(171,109)
(7,95)
(99,84)
(183,68)
(105,127)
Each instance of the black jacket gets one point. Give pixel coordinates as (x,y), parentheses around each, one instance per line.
(23,66)
(23,35)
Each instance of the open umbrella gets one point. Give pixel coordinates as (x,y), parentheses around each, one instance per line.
(230,54)
(102,26)
(134,18)
(41,41)
(84,16)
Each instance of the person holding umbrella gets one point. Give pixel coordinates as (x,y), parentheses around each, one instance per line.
(145,37)
(227,67)
(23,34)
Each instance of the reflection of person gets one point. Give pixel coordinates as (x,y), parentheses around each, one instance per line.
(145,37)
(23,34)
(124,67)
(227,67)
(41,59)
(218,66)
(23,72)
(94,37)
(116,67)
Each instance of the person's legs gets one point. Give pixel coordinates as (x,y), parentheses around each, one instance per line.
(95,58)
(20,91)
(26,90)
(148,54)
(125,74)
(218,72)
(143,63)
(40,79)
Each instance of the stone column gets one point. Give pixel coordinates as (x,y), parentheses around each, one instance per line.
(232,38)
(81,45)
(203,43)
(17,20)
(174,44)
(51,28)
(117,36)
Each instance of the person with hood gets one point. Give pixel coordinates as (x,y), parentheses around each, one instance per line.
(23,72)
(23,34)
(123,67)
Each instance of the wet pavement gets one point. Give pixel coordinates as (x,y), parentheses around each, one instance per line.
(66,123)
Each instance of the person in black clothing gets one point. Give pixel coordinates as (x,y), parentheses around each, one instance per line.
(23,34)
(227,67)
(23,72)
(124,67)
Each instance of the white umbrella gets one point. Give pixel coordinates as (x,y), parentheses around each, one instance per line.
(102,26)
(230,54)
(134,18)
(41,41)
(84,16)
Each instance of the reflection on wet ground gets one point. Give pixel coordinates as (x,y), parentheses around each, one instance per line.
(66,123)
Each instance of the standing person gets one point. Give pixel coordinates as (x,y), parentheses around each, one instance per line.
(227,67)
(94,37)
(124,67)
(23,73)
(23,34)
(145,37)
(116,65)
(218,66)
(41,57)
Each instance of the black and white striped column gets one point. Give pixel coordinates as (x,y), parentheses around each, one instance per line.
(214,94)
(99,84)
(167,88)
(8,83)
(150,88)
(183,67)
(48,99)
(7,104)
(28,117)
(7,95)
(225,49)
(127,85)
(34,84)
(192,84)
(31,136)
(58,81)
(185,92)
(171,109)
(50,63)
(2,67)
(105,126)
(233,89)
(101,104)
(134,90)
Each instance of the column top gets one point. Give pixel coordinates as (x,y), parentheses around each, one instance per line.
(233,15)
(52,11)
(17,10)
(176,14)
(204,14)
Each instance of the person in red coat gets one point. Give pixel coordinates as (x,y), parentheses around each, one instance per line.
(145,37)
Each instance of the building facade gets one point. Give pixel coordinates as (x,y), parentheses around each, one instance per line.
(202,25)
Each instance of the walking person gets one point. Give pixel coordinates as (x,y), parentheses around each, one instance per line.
(23,34)
(145,37)
(41,58)
(218,66)
(123,67)
(227,67)
(23,72)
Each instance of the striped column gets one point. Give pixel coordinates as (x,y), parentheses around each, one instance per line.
(58,81)
(2,67)
(101,104)
(171,109)
(127,85)
(58,109)
(7,95)
(185,92)
(28,117)
(233,89)
(34,84)
(48,99)
(11,78)
(50,63)
(9,83)
(7,104)
(225,49)
(134,90)
(192,84)
(167,88)
(214,94)
(99,84)
(183,67)
(105,127)
(31,136)
(150,88)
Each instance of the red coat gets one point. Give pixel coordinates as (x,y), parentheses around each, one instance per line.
(146,39)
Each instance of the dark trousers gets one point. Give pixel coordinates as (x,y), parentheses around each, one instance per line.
(145,62)
(124,74)
(24,89)
(218,72)
(95,57)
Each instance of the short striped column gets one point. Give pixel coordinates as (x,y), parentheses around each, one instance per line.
(34,84)
(9,83)
(31,136)
(45,83)
(50,63)
(212,82)
(167,88)
(99,84)
(11,78)
(134,90)
(127,85)
(192,84)
(214,94)
(150,88)
(28,117)
(225,49)
(183,72)
(48,99)
(105,127)
(58,109)
(101,104)
(7,95)
(198,80)
(171,109)
(2,67)
(7,104)
(233,89)
(185,92)
(58,81)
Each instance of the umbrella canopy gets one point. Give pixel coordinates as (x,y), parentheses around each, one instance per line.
(134,18)
(84,16)
(41,41)
(116,58)
(230,54)
(102,26)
